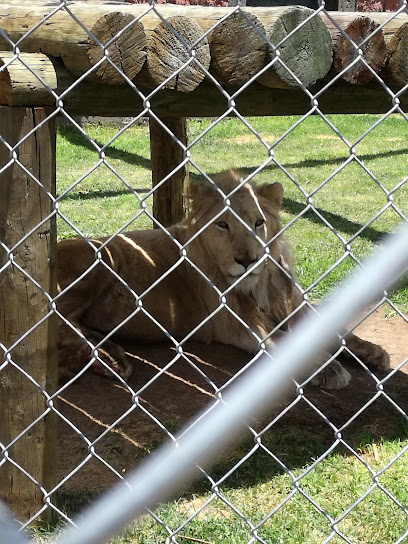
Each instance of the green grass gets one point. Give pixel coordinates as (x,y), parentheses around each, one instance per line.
(101,202)
(260,486)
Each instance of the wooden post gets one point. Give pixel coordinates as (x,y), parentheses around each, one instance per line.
(23,205)
(166,154)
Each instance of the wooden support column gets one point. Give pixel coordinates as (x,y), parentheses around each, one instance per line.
(166,155)
(23,205)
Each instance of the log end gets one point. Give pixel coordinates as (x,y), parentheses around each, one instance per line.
(238,50)
(126,47)
(373,51)
(173,49)
(398,56)
(306,55)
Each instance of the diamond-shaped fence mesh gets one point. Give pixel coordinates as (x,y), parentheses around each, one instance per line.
(172,283)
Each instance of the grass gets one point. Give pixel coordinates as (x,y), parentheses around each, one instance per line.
(311,153)
(261,486)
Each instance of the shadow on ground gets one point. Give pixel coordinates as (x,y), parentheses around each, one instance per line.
(93,403)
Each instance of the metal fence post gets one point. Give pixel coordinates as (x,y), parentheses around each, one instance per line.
(28,238)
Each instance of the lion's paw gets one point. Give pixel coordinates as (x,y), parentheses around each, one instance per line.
(372,355)
(378,358)
(333,376)
(112,357)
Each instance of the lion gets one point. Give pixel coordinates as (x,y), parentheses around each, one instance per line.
(223,274)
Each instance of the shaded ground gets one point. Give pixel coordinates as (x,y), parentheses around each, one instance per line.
(94,403)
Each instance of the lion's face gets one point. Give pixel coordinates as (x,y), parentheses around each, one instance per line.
(235,238)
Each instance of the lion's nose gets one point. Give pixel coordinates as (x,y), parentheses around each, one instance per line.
(246,260)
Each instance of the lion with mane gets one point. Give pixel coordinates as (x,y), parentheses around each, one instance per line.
(223,274)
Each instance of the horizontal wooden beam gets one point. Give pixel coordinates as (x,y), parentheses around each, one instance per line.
(207,100)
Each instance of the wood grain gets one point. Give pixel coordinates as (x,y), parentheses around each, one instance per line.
(167,155)
(238,50)
(19,86)
(23,206)
(169,49)
(305,55)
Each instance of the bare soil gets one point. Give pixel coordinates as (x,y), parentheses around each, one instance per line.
(93,403)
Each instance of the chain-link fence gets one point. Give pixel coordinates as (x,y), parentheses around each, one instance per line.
(154,323)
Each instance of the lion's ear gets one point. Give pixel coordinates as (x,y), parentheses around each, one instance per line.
(272,192)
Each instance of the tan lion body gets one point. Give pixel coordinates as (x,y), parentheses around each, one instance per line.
(259,290)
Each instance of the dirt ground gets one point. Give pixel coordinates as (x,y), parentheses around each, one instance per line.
(93,403)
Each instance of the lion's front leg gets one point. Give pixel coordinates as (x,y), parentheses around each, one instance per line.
(372,355)
(335,376)
(332,376)
(74,354)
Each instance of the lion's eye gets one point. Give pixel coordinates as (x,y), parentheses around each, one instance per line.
(259,223)
(222,225)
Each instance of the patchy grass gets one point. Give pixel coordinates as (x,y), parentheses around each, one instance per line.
(298,497)
(345,491)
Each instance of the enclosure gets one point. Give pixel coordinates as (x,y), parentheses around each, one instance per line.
(312,99)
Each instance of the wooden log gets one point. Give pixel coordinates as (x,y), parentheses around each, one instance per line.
(374,50)
(126,49)
(256,100)
(61,36)
(238,51)
(86,99)
(167,155)
(18,85)
(18,16)
(307,53)
(169,48)
(23,206)
(337,19)
(397,68)
(393,32)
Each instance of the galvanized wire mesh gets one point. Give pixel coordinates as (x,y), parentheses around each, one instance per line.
(91,445)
